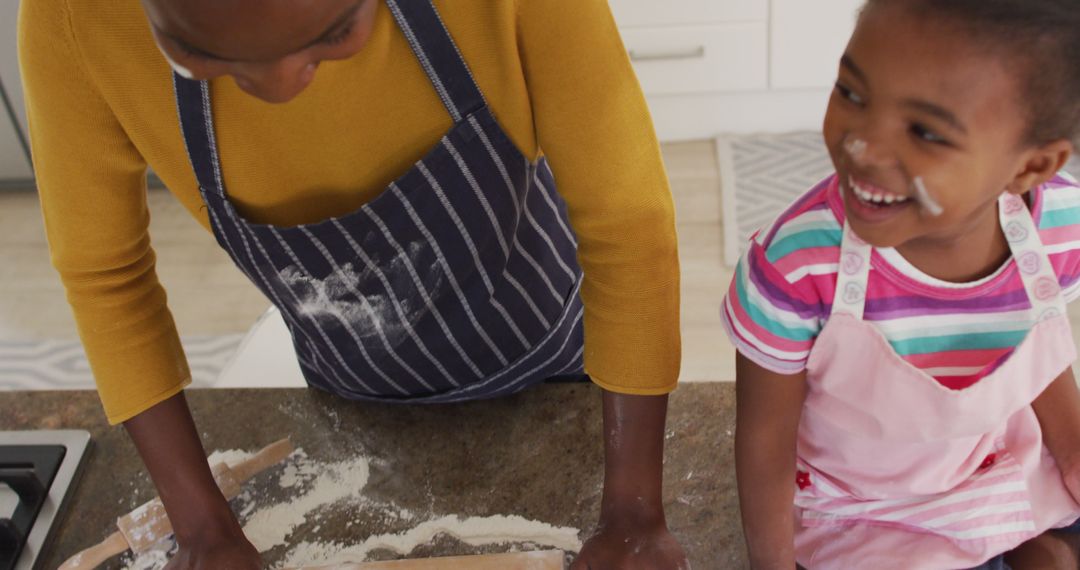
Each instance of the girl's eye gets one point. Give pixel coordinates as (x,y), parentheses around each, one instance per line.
(924,134)
(849,94)
(339,36)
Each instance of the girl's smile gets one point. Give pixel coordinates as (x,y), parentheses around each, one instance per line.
(871,203)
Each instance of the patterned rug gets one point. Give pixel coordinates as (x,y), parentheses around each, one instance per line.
(62,365)
(762,174)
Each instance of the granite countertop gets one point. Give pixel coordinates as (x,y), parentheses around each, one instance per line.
(537,454)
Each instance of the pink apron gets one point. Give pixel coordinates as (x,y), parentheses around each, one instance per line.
(896,470)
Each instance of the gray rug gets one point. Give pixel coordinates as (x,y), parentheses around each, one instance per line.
(762,174)
(62,365)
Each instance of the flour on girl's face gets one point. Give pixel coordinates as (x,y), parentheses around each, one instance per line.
(340,296)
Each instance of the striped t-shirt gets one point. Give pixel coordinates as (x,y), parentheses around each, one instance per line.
(783,288)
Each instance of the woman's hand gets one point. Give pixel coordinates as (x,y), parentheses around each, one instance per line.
(216,551)
(631,546)
(207,532)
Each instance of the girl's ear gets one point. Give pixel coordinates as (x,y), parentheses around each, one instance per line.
(1040,165)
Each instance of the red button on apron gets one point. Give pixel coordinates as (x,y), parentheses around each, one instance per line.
(802,479)
(990,460)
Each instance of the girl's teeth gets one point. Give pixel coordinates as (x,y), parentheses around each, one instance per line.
(875,197)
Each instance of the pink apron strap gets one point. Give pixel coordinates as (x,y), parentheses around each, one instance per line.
(1032,262)
(1030,256)
(852,276)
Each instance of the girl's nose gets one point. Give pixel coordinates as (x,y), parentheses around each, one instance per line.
(868,151)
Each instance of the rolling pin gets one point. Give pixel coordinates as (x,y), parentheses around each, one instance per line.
(537,560)
(143,528)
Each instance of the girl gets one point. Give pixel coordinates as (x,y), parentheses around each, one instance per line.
(903,376)
(399,206)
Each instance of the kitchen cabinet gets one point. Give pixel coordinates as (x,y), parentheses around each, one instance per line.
(638,13)
(735,66)
(699,59)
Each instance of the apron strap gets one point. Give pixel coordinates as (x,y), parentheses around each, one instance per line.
(197,128)
(852,275)
(439,56)
(1032,262)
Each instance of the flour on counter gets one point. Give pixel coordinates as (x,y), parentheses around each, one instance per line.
(475,531)
(154,559)
(270,526)
(318,485)
(299,472)
(230,457)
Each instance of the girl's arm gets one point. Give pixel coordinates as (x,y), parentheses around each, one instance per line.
(1058,410)
(769,406)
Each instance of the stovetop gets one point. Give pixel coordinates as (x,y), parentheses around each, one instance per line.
(38,470)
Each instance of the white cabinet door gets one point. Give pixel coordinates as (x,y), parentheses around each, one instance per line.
(647,13)
(807,41)
(699,59)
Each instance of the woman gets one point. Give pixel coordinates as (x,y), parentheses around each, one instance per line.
(398,205)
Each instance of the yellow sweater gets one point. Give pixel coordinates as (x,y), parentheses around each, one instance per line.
(101,108)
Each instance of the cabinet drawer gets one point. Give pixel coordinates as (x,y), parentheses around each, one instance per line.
(699,59)
(638,13)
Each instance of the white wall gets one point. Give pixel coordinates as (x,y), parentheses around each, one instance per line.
(13,161)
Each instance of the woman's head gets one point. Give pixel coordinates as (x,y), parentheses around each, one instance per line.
(270,47)
(974,97)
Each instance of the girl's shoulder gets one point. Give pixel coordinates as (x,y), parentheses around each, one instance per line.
(805,234)
(1057,208)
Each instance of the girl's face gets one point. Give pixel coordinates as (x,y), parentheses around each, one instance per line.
(270,47)
(926,102)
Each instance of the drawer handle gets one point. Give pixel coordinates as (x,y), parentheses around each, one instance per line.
(693,53)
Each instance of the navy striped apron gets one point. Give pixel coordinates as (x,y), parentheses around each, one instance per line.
(458,282)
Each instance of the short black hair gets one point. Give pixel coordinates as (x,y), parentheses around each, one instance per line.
(1043,36)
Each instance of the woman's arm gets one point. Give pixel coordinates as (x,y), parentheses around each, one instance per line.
(206,529)
(769,406)
(594,127)
(91,183)
(632,532)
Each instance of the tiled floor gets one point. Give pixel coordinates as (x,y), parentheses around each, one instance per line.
(208,296)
